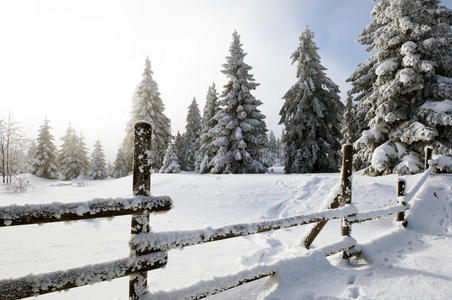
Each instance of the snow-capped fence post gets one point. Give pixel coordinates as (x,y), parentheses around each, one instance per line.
(428,156)
(141,187)
(346,185)
(400,194)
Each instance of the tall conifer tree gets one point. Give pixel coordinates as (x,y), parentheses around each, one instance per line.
(206,150)
(240,134)
(44,154)
(148,106)
(405,103)
(311,114)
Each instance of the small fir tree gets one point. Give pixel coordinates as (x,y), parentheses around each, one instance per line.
(72,158)
(170,162)
(206,150)
(120,165)
(44,154)
(98,165)
(191,135)
(311,114)
(240,134)
(148,106)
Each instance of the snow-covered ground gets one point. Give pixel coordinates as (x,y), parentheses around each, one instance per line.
(397,263)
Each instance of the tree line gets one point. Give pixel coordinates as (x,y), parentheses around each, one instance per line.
(399,103)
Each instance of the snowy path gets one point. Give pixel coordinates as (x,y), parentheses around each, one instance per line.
(418,259)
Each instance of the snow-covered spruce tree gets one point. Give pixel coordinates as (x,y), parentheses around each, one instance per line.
(98,164)
(82,154)
(72,158)
(67,157)
(120,165)
(348,122)
(272,152)
(311,114)
(148,106)
(170,162)
(240,134)
(406,106)
(191,135)
(44,154)
(206,150)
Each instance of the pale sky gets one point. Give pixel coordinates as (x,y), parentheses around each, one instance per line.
(80,61)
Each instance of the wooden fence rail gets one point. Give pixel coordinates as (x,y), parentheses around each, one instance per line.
(148,250)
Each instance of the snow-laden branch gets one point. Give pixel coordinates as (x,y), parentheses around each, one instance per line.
(96,208)
(217,285)
(378,213)
(179,239)
(32,285)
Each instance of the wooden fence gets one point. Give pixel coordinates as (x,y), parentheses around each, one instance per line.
(149,249)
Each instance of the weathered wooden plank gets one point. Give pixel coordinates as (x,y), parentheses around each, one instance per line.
(178,239)
(141,187)
(33,285)
(14,215)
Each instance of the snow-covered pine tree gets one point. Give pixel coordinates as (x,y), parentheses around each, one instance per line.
(408,105)
(179,145)
(348,122)
(30,156)
(82,154)
(191,135)
(311,114)
(272,149)
(44,154)
(120,165)
(73,158)
(67,157)
(281,150)
(98,165)
(170,162)
(206,150)
(148,106)
(240,134)
(110,168)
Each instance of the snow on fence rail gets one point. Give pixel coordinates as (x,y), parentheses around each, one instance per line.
(97,208)
(179,239)
(33,285)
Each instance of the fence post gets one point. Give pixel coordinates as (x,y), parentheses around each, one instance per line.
(400,193)
(428,156)
(346,185)
(141,187)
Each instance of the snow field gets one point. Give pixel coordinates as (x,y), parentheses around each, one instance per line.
(394,259)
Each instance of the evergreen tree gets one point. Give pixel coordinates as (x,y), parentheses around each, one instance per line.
(69,166)
(120,165)
(148,106)
(179,146)
(98,165)
(405,102)
(110,169)
(73,159)
(206,151)
(240,134)
(44,154)
(311,114)
(191,135)
(348,128)
(272,152)
(170,162)
(30,156)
